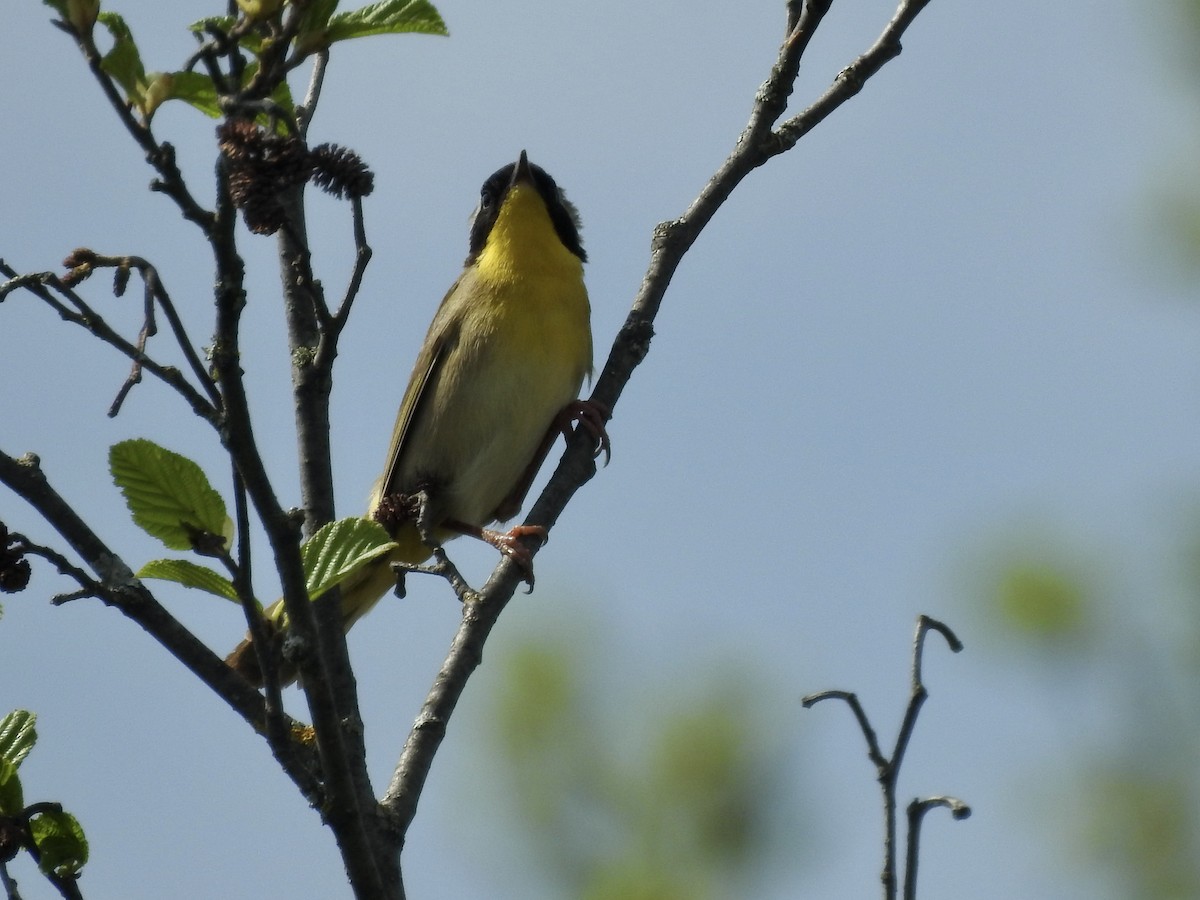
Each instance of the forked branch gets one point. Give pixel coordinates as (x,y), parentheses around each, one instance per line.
(888,768)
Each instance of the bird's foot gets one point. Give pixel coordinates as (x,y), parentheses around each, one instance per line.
(590,416)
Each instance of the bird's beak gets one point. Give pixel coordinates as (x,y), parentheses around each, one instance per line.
(522,172)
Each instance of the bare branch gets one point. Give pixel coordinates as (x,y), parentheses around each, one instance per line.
(860,716)
(888,770)
(8,883)
(399,802)
(316,81)
(362,257)
(916,816)
(154,292)
(851,79)
(78,312)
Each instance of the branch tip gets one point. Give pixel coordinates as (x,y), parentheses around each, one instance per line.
(928,623)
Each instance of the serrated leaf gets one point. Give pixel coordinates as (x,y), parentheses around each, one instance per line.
(123,62)
(12,799)
(168,495)
(340,549)
(17,735)
(386,17)
(190,575)
(60,842)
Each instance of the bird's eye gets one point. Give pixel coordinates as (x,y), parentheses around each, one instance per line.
(485,199)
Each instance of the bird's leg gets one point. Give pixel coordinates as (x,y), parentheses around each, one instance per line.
(394,511)
(591,416)
(507,542)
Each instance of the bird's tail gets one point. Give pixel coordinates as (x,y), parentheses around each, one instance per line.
(360,593)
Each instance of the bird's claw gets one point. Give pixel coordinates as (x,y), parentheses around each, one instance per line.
(591,416)
(509,543)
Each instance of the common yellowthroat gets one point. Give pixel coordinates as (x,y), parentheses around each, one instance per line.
(496,379)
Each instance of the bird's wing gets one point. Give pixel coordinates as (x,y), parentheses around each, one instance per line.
(443,334)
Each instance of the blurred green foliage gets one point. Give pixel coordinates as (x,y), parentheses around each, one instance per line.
(1141,785)
(637,803)
(1041,601)
(1139,782)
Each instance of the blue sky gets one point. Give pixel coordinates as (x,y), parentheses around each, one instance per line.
(941,321)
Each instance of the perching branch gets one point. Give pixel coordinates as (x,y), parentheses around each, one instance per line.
(671,241)
(888,770)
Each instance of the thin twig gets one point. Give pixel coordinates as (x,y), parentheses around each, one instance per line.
(148,329)
(362,257)
(916,816)
(851,699)
(444,568)
(306,110)
(78,312)
(9,883)
(851,79)
(278,730)
(156,293)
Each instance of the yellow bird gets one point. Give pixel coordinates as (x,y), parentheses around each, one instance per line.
(496,380)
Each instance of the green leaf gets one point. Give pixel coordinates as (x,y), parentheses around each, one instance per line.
(17,735)
(123,62)
(60,842)
(190,575)
(224,23)
(250,40)
(12,800)
(59,6)
(196,89)
(386,17)
(167,494)
(314,20)
(340,549)
(1042,600)
(282,97)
